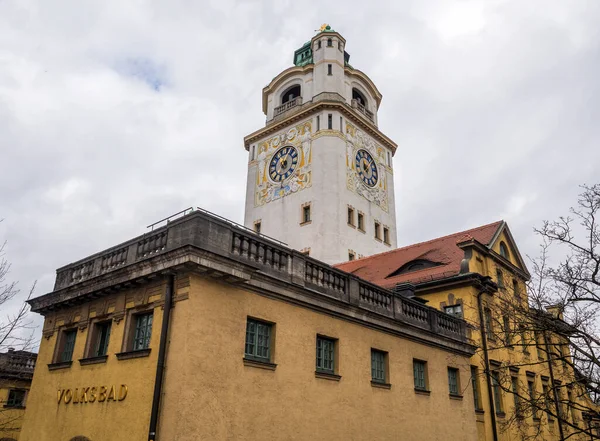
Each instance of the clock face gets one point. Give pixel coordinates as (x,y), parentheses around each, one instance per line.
(366,167)
(283,163)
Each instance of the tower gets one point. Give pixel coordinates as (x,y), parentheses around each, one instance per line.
(320,174)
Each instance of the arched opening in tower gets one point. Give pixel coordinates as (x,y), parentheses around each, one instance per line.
(359,97)
(291,93)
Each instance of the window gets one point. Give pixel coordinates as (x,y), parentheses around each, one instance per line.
(487,316)
(419,374)
(538,344)
(546,393)
(453,381)
(325,354)
(361,222)
(253,152)
(475,385)
(319,44)
(329,69)
(531,390)
(516,289)
(386,235)
(378,374)
(507,331)
(514,384)
(330,121)
(341,125)
(69,344)
(500,278)
(454,310)
(318,123)
(504,250)
(377,230)
(359,97)
(350,216)
(497,393)
(16,398)
(257,226)
(351,255)
(143,331)
(291,93)
(389,159)
(258,340)
(329,42)
(305,214)
(569,405)
(102,337)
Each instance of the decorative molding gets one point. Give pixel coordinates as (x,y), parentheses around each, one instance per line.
(133,354)
(260,364)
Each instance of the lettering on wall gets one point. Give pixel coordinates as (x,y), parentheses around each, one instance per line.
(92,394)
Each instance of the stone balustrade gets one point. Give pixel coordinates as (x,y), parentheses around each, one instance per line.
(287,106)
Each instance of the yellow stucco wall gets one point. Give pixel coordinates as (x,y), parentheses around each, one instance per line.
(210,394)
(48,420)
(11,419)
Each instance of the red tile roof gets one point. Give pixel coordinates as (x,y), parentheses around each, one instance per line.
(443,251)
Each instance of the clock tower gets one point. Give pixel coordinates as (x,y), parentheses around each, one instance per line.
(320,174)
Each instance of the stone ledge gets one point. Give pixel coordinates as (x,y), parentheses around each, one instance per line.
(260,364)
(327,376)
(422,392)
(93,360)
(381,385)
(455,397)
(133,354)
(59,365)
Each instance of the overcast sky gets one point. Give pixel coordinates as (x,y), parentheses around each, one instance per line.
(115,114)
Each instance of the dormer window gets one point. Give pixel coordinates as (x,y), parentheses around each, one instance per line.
(414,265)
(504,251)
(359,97)
(291,93)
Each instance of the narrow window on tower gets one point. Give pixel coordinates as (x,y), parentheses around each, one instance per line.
(318,123)
(389,158)
(377,230)
(329,42)
(319,44)
(351,216)
(386,235)
(341,125)
(305,214)
(329,69)
(253,152)
(361,222)
(330,121)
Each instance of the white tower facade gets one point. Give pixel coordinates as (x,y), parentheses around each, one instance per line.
(320,174)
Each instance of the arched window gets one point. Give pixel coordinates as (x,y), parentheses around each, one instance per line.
(291,93)
(329,42)
(359,97)
(504,250)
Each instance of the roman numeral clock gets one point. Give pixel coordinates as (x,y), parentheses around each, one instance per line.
(320,175)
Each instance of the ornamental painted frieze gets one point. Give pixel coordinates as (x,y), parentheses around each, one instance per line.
(284,164)
(365,169)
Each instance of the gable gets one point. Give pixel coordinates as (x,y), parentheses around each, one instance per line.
(504,240)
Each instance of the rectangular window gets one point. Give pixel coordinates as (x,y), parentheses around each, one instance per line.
(475,385)
(378,374)
(319,44)
(500,278)
(253,151)
(531,390)
(329,69)
(258,340)
(487,315)
(341,125)
(325,354)
(386,235)
(351,255)
(329,42)
(305,214)
(454,310)
(497,393)
(514,384)
(516,289)
(143,331)
(69,345)
(546,393)
(318,123)
(419,375)
(350,216)
(16,398)
(507,331)
(361,222)
(389,159)
(330,121)
(377,230)
(569,405)
(453,381)
(102,339)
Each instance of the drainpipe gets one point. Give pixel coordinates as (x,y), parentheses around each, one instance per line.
(486,360)
(160,366)
(555,394)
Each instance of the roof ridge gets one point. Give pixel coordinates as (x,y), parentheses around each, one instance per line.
(424,242)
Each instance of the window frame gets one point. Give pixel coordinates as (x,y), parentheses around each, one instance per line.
(350,218)
(329,70)
(360,224)
(379,364)
(454,381)
(133,329)
(448,308)
(386,235)
(306,214)
(417,379)
(497,393)
(320,354)
(475,387)
(255,343)
(377,227)
(12,403)
(65,333)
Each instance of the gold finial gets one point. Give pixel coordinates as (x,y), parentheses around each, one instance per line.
(324,26)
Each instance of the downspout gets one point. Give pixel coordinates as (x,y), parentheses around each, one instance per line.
(160,366)
(486,360)
(556,403)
